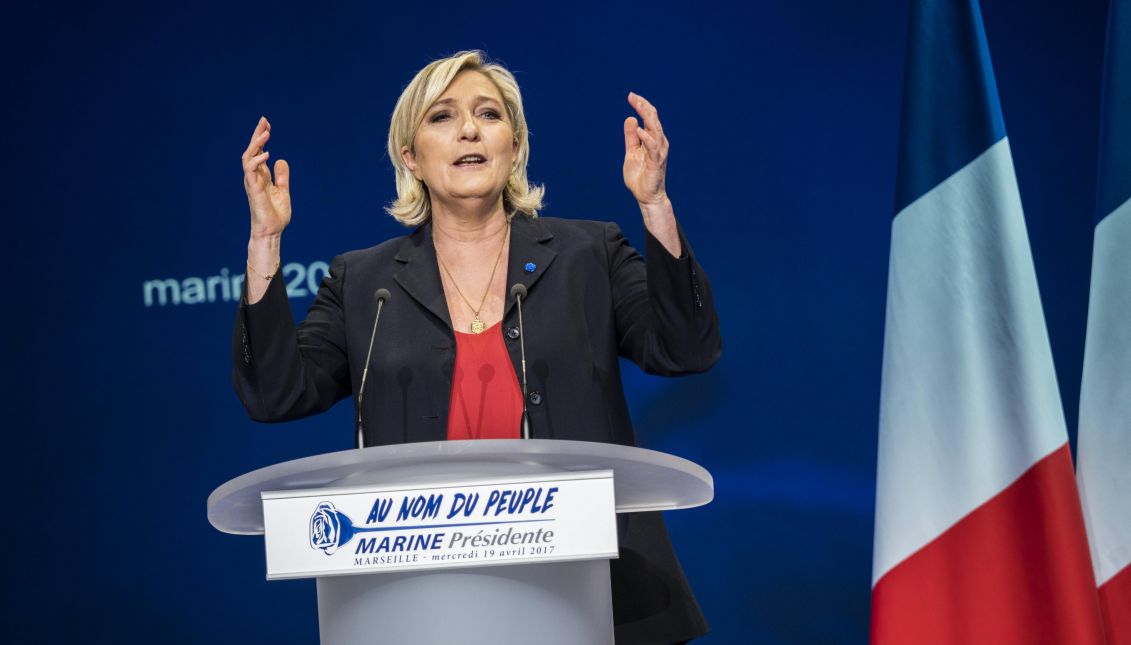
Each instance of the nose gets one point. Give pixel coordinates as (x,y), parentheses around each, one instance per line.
(469,129)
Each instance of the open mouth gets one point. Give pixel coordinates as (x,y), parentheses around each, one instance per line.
(470,161)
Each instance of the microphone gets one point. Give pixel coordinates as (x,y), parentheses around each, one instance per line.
(519,292)
(381,296)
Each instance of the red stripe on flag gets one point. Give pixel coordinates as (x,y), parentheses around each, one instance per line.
(1015,571)
(1115,601)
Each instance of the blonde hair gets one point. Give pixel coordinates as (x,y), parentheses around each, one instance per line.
(412,206)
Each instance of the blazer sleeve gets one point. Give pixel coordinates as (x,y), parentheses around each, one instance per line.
(665,314)
(282,373)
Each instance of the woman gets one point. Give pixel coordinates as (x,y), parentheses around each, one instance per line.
(445,367)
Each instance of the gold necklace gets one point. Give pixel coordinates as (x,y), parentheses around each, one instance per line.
(477,326)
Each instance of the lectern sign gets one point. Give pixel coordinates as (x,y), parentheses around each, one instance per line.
(564,516)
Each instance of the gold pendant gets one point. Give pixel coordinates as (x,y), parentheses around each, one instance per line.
(477,326)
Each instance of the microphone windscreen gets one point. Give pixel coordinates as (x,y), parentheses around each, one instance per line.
(381,294)
(518,290)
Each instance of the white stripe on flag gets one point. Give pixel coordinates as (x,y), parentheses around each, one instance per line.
(969,399)
(1104,465)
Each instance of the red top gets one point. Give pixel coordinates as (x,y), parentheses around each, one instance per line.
(486,398)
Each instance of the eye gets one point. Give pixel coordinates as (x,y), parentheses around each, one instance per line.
(490,114)
(438,117)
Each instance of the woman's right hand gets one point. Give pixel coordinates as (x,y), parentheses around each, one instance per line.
(270,202)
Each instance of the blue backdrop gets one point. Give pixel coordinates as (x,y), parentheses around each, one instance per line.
(124,131)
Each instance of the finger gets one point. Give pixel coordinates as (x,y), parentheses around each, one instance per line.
(631,141)
(260,127)
(283,176)
(257,137)
(264,174)
(255,164)
(258,140)
(647,112)
(651,143)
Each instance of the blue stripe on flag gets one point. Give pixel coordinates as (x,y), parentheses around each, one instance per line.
(1114,184)
(951,111)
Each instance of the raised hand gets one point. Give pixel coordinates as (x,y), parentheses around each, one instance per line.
(270,202)
(645,168)
(645,153)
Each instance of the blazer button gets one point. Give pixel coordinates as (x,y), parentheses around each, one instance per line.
(535,398)
(512,333)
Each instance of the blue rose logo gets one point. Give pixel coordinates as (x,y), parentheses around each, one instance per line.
(329,528)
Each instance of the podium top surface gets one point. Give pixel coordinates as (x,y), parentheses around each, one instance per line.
(645,480)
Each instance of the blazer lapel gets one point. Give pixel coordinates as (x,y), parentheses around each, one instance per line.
(420,275)
(528,251)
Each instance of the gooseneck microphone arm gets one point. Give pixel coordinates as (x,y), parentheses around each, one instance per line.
(381,296)
(519,292)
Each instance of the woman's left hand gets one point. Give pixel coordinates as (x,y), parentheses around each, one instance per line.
(645,153)
(645,165)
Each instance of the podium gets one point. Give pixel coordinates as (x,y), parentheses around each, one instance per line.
(486,541)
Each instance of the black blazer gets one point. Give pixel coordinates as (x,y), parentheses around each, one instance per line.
(591,298)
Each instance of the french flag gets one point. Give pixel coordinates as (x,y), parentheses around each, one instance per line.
(979,535)
(1104,447)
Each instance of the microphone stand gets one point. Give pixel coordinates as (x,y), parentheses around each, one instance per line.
(519,292)
(381,296)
